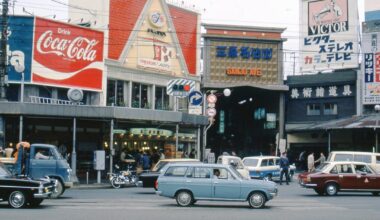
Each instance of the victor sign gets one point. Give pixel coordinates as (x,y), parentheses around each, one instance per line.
(67,55)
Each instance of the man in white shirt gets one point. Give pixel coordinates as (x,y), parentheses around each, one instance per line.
(310,162)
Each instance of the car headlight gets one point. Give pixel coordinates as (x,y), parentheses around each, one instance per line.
(308,179)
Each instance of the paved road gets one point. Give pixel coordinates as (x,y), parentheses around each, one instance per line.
(293,203)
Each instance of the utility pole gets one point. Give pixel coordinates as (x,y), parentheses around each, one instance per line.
(3,50)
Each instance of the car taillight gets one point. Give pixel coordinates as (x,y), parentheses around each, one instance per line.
(156,184)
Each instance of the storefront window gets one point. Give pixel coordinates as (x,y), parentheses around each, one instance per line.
(140,96)
(313,109)
(115,93)
(162,99)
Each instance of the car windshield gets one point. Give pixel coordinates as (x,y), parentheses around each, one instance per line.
(321,167)
(236,172)
(250,162)
(4,172)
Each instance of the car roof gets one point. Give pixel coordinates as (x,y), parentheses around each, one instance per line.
(261,157)
(179,160)
(353,152)
(346,162)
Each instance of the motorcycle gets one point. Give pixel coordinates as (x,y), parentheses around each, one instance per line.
(122,177)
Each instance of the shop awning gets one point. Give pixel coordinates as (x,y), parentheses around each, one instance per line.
(354,122)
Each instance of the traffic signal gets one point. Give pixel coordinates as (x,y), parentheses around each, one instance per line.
(181,88)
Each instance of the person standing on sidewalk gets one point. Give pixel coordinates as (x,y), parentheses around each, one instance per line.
(310,162)
(284,168)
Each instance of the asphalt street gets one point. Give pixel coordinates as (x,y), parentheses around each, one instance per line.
(135,203)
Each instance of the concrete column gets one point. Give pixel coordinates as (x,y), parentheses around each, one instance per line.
(21,127)
(74,153)
(111,146)
(199,143)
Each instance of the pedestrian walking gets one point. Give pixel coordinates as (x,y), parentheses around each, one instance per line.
(310,162)
(284,168)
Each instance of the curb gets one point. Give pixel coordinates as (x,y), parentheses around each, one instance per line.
(98,186)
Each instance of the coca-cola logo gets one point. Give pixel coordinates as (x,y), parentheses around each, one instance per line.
(79,48)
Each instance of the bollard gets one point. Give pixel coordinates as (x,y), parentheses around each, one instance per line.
(87,178)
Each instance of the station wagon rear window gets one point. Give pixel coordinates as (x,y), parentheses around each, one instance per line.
(363,158)
(176,171)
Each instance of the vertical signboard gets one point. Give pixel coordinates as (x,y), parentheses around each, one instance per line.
(329,35)
(371,64)
(20,44)
(67,56)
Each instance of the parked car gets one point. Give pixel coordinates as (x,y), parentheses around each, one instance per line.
(331,177)
(265,167)
(147,180)
(236,162)
(23,191)
(372,159)
(53,165)
(188,183)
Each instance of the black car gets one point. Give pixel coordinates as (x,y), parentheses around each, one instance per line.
(147,180)
(22,191)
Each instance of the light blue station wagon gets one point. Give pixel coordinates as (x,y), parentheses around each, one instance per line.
(188,183)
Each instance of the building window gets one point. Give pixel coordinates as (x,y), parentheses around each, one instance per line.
(313,109)
(115,93)
(162,99)
(140,96)
(45,92)
(62,94)
(330,109)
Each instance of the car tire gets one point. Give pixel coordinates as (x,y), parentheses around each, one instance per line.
(35,202)
(59,190)
(319,192)
(331,189)
(184,198)
(375,193)
(257,200)
(17,199)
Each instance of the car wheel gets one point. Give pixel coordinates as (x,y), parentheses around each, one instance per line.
(257,200)
(59,189)
(114,184)
(268,177)
(184,198)
(17,199)
(35,202)
(319,192)
(376,193)
(331,189)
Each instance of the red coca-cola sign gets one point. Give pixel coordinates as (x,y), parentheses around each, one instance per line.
(67,56)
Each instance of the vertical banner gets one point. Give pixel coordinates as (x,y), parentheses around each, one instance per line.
(20,44)
(371,78)
(329,35)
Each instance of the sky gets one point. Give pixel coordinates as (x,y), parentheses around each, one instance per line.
(268,13)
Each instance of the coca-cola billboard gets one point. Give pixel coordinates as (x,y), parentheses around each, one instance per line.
(67,56)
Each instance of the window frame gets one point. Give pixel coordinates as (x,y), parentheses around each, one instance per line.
(333,111)
(312,111)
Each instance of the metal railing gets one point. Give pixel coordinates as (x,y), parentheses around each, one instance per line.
(43,100)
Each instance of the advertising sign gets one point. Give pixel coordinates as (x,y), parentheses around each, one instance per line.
(67,56)
(20,51)
(371,66)
(329,35)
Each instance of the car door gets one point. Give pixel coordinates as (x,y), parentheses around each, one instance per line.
(198,180)
(366,178)
(41,167)
(225,186)
(347,177)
